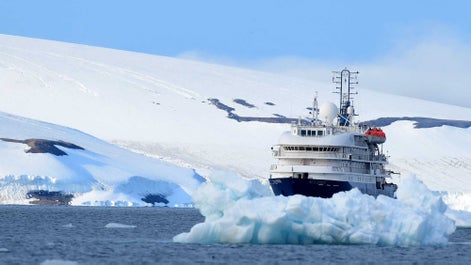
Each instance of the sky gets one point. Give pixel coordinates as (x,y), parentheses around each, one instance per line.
(402,39)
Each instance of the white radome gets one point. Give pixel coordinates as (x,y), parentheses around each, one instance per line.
(328,112)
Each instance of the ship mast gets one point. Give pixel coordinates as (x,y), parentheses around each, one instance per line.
(315,111)
(344,80)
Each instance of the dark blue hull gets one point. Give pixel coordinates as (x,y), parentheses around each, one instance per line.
(325,188)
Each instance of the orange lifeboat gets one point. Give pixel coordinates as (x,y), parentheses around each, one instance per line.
(375,135)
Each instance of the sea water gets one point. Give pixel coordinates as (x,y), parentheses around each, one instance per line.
(105,235)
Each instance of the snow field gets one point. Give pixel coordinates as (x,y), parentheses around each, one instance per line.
(100,175)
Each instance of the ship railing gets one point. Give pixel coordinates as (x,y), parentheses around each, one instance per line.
(348,129)
(302,168)
(335,128)
(341,156)
(320,169)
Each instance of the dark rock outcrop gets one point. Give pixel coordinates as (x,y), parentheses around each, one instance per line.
(233,116)
(419,122)
(155,198)
(244,103)
(45,197)
(44,146)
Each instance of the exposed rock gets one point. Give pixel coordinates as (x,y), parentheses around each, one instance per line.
(49,197)
(44,146)
(233,116)
(155,198)
(420,122)
(244,103)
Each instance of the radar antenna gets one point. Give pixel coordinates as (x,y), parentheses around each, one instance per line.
(345,79)
(315,111)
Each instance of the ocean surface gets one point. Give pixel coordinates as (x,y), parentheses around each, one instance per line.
(102,235)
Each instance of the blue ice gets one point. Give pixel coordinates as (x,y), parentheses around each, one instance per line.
(245,211)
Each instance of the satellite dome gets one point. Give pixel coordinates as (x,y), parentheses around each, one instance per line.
(350,110)
(328,112)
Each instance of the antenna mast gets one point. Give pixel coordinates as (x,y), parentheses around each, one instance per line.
(344,80)
(315,111)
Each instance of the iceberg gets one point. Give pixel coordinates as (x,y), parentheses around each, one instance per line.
(118,225)
(244,211)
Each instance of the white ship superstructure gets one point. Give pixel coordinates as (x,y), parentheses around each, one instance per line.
(331,153)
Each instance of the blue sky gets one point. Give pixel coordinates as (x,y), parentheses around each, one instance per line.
(240,30)
(418,48)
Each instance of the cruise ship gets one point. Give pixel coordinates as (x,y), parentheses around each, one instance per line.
(331,152)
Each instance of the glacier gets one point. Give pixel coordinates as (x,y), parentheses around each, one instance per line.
(243,211)
(100,174)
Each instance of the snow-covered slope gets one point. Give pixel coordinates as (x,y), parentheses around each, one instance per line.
(97,174)
(161,106)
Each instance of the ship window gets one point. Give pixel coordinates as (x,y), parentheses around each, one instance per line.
(309,133)
(303,132)
(320,133)
(308,148)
